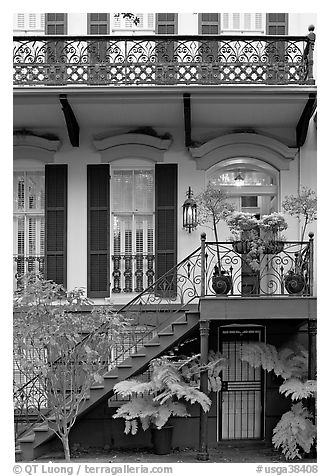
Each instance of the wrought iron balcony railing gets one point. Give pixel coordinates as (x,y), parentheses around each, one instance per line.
(27,264)
(162,60)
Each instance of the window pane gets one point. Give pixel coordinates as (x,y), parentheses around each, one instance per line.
(18,189)
(36,193)
(122,190)
(144,187)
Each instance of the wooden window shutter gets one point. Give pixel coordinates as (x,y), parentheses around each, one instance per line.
(167,23)
(277,23)
(98,240)
(56,23)
(98,23)
(209,24)
(166,221)
(56,184)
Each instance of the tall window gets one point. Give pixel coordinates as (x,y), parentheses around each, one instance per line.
(29,222)
(132,229)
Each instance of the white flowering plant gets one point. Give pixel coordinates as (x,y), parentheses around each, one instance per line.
(272,225)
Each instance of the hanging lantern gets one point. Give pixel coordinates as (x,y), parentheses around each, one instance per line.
(239,180)
(189,212)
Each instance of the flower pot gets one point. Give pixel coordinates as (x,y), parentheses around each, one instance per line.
(221,283)
(294,283)
(273,247)
(241,247)
(162,440)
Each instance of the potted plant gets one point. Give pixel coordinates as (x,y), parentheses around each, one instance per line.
(212,206)
(304,207)
(153,401)
(271,226)
(244,229)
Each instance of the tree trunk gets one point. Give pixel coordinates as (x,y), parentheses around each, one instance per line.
(65,443)
(216,239)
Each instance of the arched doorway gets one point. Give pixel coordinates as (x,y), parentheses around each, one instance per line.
(253,187)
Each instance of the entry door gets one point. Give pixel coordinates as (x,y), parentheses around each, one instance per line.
(241,397)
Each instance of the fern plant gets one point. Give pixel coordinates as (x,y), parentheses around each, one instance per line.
(172,384)
(295,430)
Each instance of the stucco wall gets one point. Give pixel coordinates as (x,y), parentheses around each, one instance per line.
(302,171)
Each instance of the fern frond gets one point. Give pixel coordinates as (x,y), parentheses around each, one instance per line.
(298,389)
(127,388)
(294,430)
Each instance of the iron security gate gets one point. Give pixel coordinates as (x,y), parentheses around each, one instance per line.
(240,414)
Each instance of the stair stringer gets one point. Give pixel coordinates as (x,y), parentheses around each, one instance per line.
(34,443)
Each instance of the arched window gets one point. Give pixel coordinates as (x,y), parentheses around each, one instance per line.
(251,184)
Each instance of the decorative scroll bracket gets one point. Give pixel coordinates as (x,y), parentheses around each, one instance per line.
(71,121)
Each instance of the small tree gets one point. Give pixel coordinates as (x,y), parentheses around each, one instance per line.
(60,351)
(212,207)
(295,430)
(304,206)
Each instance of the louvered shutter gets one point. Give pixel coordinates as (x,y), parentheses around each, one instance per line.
(98,24)
(166,222)
(209,24)
(56,222)
(56,24)
(166,24)
(98,282)
(277,23)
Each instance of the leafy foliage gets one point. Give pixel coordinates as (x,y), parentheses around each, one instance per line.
(294,431)
(285,362)
(59,351)
(154,402)
(303,205)
(298,389)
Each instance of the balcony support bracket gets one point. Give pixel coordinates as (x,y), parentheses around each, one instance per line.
(302,126)
(71,121)
(187,119)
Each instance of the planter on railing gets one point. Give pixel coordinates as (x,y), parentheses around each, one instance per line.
(163,60)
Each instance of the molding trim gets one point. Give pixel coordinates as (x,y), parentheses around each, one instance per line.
(33,147)
(140,146)
(247,144)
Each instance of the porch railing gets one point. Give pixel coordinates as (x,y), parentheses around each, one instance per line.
(162,60)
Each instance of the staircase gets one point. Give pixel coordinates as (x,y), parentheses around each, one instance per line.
(33,443)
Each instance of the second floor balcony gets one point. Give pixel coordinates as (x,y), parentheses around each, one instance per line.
(163,60)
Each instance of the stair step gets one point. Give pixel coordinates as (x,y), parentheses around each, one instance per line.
(138,355)
(27,438)
(179,323)
(111,376)
(165,334)
(152,344)
(41,428)
(124,366)
(97,387)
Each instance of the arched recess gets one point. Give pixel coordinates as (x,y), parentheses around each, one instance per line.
(139,146)
(248,145)
(29,147)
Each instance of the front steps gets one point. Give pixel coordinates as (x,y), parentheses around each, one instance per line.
(32,444)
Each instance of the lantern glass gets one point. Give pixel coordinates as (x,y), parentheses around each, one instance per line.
(189,212)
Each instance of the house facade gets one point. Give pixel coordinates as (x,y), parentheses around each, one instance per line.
(115,119)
